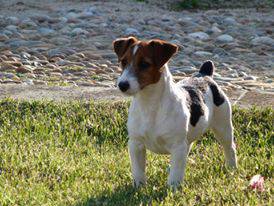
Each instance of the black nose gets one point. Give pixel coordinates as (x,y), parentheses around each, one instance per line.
(123,86)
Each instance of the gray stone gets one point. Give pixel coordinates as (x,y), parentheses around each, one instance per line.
(250,78)
(225,38)
(46,31)
(262,40)
(12,28)
(203,54)
(230,21)
(79,31)
(199,35)
(214,30)
(132,31)
(13,20)
(27,23)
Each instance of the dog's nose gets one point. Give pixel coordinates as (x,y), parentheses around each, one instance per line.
(123,86)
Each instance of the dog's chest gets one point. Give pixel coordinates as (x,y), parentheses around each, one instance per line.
(153,129)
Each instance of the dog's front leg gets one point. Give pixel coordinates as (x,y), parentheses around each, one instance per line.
(137,154)
(178,164)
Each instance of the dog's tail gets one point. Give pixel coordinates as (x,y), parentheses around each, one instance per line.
(207,68)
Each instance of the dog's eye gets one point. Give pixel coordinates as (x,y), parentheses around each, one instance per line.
(143,65)
(123,62)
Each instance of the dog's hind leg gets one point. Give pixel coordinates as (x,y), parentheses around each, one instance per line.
(223,130)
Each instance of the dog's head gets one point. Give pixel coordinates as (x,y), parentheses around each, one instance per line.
(141,62)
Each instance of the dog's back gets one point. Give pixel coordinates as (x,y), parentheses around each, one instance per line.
(207,103)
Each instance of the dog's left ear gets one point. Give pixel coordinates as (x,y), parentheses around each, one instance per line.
(162,51)
(121,45)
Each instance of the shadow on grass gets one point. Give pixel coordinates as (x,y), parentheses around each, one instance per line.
(127,195)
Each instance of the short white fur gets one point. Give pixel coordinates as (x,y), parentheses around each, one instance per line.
(159,120)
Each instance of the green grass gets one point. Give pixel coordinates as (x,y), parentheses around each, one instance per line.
(75,154)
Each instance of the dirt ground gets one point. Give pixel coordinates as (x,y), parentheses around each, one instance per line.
(242,98)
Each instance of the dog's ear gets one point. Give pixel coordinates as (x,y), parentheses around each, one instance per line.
(121,45)
(162,51)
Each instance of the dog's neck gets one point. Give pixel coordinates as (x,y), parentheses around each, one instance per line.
(154,93)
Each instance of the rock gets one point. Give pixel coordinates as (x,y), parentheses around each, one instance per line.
(187,22)
(250,78)
(225,38)
(23,70)
(131,31)
(5,66)
(230,21)
(12,28)
(39,82)
(199,35)
(79,31)
(46,31)
(56,74)
(242,74)
(262,40)
(3,37)
(27,23)
(203,54)
(214,30)
(28,81)
(12,20)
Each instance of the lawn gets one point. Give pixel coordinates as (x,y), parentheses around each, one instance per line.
(75,154)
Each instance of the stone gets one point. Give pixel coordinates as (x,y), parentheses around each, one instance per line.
(5,66)
(23,70)
(203,54)
(230,21)
(27,23)
(79,31)
(46,31)
(250,78)
(225,38)
(262,40)
(199,35)
(39,82)
(214,30)
(3,37)
(131,31)
(12,20)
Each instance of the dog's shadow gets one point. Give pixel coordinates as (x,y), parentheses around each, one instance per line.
(127,195)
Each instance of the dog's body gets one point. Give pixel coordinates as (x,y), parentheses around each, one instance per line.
(166,117)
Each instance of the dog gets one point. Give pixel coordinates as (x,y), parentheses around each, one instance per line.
(166,117)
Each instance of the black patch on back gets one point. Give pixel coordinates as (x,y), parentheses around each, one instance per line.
(195,104)
(218,98)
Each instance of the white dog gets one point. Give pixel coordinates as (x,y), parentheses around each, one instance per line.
(166,117)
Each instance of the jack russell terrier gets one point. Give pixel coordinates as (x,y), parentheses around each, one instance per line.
(166,117)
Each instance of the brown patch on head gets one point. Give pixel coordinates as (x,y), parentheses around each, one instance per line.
(145,59)
(121,45)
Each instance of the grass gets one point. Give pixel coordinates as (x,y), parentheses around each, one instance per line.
(75,154)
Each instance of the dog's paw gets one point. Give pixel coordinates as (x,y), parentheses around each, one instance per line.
(175,185)
(139,183)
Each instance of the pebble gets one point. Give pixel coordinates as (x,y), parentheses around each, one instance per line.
(250,78)
(203,54)
(199,35)
(79,31)
(22,70)
(225,38)
(131,31)
(230,21)
(46,31)
(262,40)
